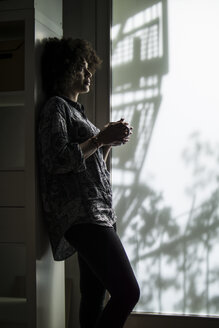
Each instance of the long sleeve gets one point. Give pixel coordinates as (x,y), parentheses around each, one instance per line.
(73,191)
(60,154)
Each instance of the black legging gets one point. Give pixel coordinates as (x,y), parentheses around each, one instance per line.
(103,265)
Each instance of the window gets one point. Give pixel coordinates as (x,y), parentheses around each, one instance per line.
(166,180)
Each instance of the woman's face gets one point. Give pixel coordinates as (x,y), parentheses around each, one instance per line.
(82,80)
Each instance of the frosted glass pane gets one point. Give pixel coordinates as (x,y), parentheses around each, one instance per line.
(12,133)
(165,181)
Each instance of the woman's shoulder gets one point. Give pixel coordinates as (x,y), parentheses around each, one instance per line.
(54,104)
(55,101)
(57,104)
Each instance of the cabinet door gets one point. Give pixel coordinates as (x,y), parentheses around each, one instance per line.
(12,225)
(13,301)
(12,138)
(12,193)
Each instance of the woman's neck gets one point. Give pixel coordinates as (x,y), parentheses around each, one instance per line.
(71,95)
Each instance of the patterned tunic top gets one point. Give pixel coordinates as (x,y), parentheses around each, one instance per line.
(74,190)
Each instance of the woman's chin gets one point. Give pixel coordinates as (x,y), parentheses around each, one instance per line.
(86,89)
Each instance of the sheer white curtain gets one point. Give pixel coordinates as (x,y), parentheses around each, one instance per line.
(165,72)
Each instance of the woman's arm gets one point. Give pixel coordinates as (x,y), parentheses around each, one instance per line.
(89,147)
(58,154)
(113,134)
(106,151)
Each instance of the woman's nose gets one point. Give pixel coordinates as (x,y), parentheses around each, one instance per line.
(88,73)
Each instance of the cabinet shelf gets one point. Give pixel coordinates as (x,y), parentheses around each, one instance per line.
(12,99)
(12,169)
(13,309)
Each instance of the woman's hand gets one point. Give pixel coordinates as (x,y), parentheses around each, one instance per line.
(115,133)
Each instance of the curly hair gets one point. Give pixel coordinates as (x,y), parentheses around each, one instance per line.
(61,60)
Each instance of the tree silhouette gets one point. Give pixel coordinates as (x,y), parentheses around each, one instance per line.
(169,257)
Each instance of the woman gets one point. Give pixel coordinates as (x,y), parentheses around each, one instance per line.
(75,184)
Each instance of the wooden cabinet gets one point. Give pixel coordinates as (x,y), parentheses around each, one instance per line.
(31,283)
